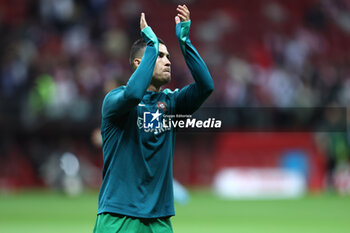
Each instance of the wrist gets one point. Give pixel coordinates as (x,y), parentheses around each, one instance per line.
(185,23)
(183,30)
(148,35)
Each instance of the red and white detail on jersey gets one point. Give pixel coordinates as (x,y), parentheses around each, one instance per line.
(162,105)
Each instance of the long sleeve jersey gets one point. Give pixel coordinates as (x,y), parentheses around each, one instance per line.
(137,151)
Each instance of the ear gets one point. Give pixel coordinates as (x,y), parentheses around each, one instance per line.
(137,62)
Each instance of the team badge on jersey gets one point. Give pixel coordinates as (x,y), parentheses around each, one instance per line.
(162,105)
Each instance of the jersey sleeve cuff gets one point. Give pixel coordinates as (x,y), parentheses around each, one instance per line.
(183,31)
(148,35)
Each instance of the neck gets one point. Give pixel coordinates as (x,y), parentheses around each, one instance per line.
(153,88)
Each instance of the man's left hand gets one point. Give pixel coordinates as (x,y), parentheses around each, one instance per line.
(183,14)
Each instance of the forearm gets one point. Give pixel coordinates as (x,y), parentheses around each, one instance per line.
(142,76)
(190,98)
(121,100)
(193,60)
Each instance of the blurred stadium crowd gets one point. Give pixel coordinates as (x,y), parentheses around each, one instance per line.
(59,57)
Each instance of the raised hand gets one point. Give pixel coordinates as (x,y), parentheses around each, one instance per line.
(183,14)
(143,22)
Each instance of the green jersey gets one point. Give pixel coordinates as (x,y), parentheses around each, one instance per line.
(137,148)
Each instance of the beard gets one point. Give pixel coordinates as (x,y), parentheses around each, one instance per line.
(160,80)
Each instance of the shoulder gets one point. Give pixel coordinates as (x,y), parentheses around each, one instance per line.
(112,97)
(114,92)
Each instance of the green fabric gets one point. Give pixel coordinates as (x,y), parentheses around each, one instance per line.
(191,97)
(137,169)
(168,91)
(112,223)
(182,32)
(138,159)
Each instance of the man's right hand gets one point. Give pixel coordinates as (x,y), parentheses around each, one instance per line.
(143,22)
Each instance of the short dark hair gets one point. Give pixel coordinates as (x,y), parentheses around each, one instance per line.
(136,47)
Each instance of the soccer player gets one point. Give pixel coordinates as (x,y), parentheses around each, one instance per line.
(137,191)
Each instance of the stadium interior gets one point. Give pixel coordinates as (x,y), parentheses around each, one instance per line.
(59,58)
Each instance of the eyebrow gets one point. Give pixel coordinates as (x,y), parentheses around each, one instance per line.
(166,54)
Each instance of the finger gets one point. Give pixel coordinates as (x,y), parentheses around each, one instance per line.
(183,8)
(177,19)
(182,17)
(143,22)
(181,11)
(142,18)
(186,8)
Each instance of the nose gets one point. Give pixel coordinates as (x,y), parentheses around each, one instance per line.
(167,62)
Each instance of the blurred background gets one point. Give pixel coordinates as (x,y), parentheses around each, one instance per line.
(58,58)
